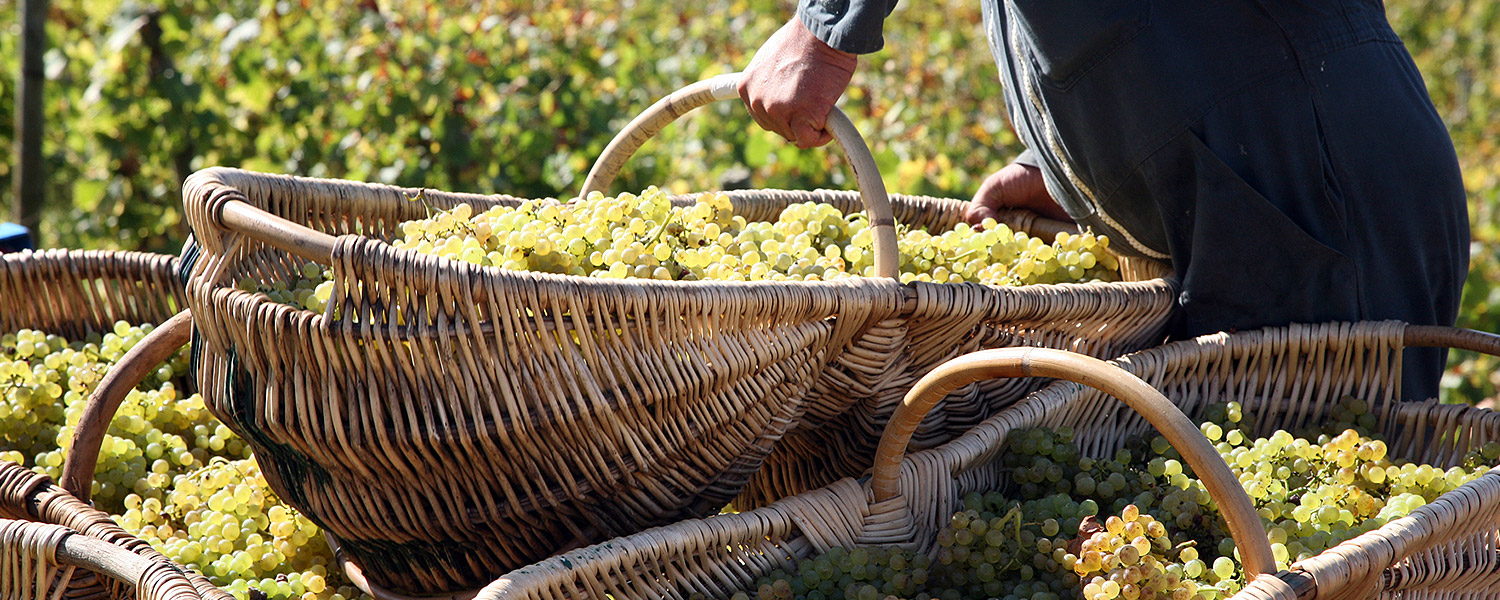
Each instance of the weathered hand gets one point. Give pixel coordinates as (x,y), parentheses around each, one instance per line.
(793,82)
(1015,186)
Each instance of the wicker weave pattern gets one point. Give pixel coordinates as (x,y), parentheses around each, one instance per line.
(1284,377)
(28,562)
(33,565)
(29,496)
(858,393)
(448,422)
(75,292)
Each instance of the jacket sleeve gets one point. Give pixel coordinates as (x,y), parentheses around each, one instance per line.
(854,26)
(1028,158)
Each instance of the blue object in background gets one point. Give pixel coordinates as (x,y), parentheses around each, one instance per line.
(14,238)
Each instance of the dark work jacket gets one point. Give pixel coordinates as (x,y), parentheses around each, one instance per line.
(1282,155)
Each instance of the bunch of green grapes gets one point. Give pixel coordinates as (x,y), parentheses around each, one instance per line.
(646,237)
(153,438)
(860,573)
(993,549)
(1002,548)
(1039,539)
(47,381)
(999,546)
(1312,494)
(1044,461)
(1131,557)
(36,369)
(223,521)
(309,289)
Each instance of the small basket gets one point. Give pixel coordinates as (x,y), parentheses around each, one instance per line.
(534,412)
(75,294)
(1284,377)
(50,561)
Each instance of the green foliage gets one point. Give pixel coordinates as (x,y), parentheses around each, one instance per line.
(491,97)
(1457,47)
(519,97)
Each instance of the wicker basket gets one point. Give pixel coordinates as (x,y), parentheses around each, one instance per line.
(1284,377)
(532,412)
(30,497)
(75,294)
(45,561)
(78,293)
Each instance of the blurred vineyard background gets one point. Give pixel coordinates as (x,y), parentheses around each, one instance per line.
(519,97)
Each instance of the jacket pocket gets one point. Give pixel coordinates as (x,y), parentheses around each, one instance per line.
(1248,263)
(1069,37)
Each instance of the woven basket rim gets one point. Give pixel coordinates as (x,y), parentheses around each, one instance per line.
(602,284)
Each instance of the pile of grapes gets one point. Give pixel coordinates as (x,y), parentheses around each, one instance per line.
(169,472)
(1073,527)
(645,237)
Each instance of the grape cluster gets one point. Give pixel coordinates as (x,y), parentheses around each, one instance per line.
(309,289)
(46,382)
(1312,492)
(224,521)
(173,474)
(646,237)
(860,573)
(1013,547)
(1041,537)
(1131,557)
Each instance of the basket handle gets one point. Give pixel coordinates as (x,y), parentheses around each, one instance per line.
(157,346)
(1238,511)
(68,550)
(1435,336)
(723,87)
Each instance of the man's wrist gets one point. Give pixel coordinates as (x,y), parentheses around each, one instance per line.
(821,47)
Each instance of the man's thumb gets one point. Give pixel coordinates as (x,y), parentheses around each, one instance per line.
(977,213)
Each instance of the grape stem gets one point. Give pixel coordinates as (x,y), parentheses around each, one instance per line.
(421,196)
(662,228)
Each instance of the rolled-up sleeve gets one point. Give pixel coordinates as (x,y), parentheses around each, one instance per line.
(1028,158)
(855,26)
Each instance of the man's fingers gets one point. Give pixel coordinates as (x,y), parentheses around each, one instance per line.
(758,112)
(807,135)
(793,81)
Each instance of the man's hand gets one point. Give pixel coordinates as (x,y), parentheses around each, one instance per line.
(793,82)
(1015,186)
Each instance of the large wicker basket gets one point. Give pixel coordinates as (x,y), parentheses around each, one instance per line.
(528,413)
(1284,376)
(75,294)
